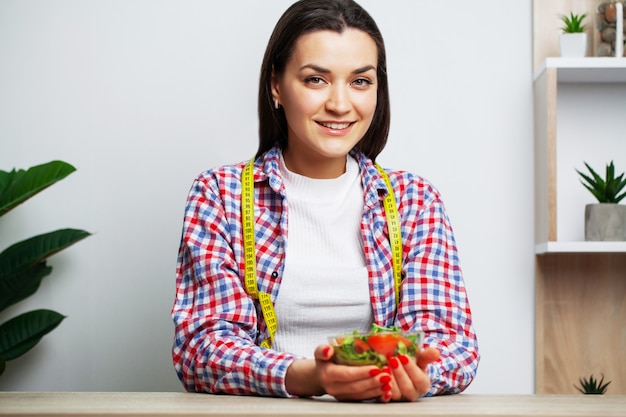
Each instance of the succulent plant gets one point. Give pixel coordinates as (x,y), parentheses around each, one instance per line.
(592,386)
(607,189)
(573,23)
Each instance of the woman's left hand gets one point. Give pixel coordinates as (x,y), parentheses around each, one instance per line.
(410,378)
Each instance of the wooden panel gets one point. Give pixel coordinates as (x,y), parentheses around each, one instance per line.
(545,106)
(581,321)
(547,24)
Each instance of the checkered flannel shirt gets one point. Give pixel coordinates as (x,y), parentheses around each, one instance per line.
(218,327)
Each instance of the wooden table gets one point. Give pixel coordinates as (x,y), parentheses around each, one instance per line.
(176,404)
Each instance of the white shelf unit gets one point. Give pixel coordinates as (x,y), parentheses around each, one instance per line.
(586,70)
(580,290)
(580,247)
(554,232)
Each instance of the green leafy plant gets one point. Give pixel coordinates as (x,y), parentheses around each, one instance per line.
(573,23)
(592,386)
(607,189)
(23,265)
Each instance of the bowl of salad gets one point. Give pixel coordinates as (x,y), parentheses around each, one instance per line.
(375,347)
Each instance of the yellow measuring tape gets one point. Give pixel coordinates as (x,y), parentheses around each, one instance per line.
(249,245)
(395,238)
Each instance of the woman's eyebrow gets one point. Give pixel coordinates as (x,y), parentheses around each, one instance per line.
(364,69)
(323,70)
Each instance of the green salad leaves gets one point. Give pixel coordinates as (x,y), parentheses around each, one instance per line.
(375,347)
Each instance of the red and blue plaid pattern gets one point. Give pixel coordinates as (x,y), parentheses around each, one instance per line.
(218,327)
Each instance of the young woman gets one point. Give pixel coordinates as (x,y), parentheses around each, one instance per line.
(280,253)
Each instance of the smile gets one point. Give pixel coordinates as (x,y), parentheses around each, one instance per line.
(335,126)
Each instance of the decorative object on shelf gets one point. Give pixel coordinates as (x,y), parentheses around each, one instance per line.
(23,265)
(606,220)
(592,386)
(610,29)
(573,40)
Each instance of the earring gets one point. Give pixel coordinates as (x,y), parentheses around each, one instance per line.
(276,104)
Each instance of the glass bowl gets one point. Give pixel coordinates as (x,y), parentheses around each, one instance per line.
(358,349)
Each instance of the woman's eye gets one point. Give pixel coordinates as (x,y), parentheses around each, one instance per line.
(314,80)
(362,82)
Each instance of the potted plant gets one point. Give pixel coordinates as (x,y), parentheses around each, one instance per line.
(573,39)
(592,386)
(605,220)
(23,264)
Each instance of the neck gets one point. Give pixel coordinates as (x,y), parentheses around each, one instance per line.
(319,168)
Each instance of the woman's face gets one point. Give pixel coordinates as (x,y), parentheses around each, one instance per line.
(328,92)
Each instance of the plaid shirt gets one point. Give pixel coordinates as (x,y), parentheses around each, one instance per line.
(218,327)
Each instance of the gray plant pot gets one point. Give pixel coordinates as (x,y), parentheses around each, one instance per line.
(605,222)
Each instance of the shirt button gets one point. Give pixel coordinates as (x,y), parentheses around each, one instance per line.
(274,274)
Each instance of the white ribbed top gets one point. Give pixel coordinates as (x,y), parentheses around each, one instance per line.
(324,288)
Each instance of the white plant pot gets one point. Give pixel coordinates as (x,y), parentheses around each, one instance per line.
(605,222)
(573,45)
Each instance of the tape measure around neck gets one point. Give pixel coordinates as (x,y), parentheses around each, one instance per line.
(395,237)
(249,246)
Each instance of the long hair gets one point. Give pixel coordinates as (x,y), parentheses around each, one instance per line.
(306,16)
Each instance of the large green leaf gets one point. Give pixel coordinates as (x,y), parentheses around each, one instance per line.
(31,251)
(20,285)
(18,186)
(22,333)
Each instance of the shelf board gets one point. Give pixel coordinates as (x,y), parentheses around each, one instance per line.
(580,247)
(586,70)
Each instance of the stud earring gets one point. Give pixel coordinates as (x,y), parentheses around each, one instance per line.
(276,104)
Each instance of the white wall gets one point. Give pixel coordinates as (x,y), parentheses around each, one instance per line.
(142,95)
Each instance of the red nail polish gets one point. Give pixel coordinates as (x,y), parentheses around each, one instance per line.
(386,387)
(385,379)
(393,362)
(386,370)
(375,372)
(326,351)
(388,395)
(403,359)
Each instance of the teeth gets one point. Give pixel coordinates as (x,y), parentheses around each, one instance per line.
(335,126)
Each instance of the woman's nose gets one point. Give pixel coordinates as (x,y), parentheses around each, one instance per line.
(338,100)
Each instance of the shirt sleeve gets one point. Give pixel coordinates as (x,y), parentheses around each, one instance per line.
(433,294)
(216,325)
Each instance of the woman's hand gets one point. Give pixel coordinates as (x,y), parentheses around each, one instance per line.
(410,378)
(309,377)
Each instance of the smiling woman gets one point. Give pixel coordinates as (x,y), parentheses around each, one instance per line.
(328,92)
(264,241)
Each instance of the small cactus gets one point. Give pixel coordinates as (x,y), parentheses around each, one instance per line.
(592,386)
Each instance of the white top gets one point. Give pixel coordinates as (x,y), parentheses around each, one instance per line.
(324,289)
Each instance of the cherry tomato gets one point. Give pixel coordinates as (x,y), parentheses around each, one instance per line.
(385,344)
(405,341)
(361,346)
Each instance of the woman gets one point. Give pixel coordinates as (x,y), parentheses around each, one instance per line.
(318,236)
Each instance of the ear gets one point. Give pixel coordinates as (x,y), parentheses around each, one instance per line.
(275,88)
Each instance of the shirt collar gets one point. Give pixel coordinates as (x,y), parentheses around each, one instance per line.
(375,189)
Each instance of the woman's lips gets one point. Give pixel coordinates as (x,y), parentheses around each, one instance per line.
(335,125)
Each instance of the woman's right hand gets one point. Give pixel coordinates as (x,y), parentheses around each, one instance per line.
(319,376)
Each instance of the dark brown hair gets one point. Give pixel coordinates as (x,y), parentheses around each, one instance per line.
(307,16)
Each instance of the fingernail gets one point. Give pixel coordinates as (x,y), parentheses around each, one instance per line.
(393,362)
(375,372)
(326,351)
(403,359)
(386,387)
(388,395)
(385,379)
(386,370)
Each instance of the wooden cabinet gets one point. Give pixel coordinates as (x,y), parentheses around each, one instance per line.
(580,310)
(580,287)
